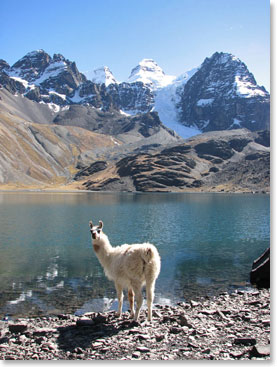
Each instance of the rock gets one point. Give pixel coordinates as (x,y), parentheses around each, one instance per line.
(136,354)
(175,330)
(143,337)
(97,345)
(216,148)
(194,303)
(245,341)
(260,273)
(211,337)
(183,321)
(85,322)
(266,322)
(93,168)
(260,350)
(143,349)
(160,337)
(18,328)
(43,331)
(156,314)
(237,354)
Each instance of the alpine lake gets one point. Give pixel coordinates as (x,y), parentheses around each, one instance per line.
(207,243)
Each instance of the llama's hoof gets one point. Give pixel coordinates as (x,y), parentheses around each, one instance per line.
(132,315)
(118,314)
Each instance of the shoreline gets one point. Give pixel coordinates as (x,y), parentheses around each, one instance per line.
(74,191)
(232,326)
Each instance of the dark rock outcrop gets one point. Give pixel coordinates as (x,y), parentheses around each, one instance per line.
(93,168)
(260,273)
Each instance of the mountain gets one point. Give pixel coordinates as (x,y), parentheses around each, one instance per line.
(220,94)
(223,94)
(41,147)
(150,73)
(234,160)
(103,75)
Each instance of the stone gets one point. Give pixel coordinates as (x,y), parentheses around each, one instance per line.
(245,341)
(183,321)
(85,322)
(43,331)
(260,273)
(175,330)
(260,350)
(143,349)
(237,354)
(136,354)
(160,337)
(18,328)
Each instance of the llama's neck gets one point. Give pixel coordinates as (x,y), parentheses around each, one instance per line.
(103,249)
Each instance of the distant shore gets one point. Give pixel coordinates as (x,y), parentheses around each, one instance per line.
(72,189)
(228,327)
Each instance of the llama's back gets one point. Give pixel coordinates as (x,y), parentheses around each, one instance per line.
(137,262)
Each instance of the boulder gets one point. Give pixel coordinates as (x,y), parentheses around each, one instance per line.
(260,273)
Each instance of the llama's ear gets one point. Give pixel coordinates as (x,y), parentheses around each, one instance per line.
(90,224)
(100,224)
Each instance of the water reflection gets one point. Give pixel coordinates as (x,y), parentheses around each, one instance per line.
(207,243)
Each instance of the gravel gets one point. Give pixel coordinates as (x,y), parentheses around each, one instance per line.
(228,327)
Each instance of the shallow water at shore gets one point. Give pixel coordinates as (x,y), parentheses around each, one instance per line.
(207,243)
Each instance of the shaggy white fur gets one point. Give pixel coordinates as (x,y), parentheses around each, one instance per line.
(129,266)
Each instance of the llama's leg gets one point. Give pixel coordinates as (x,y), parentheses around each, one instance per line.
(150,286)
(139,299)
(119,291)
(131,301)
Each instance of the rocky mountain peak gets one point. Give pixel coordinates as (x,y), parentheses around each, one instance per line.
(222,94)
(150,73)
(4,65)
(58,57)
(30,66)
(103,75)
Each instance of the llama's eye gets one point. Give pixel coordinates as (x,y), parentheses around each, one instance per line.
(98,231)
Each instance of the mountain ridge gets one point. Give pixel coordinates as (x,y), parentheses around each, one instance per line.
(187,103)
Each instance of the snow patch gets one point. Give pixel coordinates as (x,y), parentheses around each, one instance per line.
(103,75)
(52,71)
(204,102)
(247,89)
(124,113)
(150,73)
(20,80)
(114,141)
(21,298)
(62,96)
(166,100)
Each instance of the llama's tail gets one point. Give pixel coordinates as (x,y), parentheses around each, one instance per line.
(151,255)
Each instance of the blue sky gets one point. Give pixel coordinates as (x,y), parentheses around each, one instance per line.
(177,34)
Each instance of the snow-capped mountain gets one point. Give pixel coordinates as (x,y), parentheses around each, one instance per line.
(150,73)
(103,75)
(223,94)
(219,94)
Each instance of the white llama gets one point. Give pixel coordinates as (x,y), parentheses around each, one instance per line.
(129,266)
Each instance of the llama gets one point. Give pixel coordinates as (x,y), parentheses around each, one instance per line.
(129,266)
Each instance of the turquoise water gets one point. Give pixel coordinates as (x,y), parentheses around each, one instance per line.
(207,243)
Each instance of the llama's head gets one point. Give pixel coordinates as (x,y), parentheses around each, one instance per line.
(96,231)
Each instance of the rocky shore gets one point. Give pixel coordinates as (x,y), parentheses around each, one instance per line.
(228,327)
